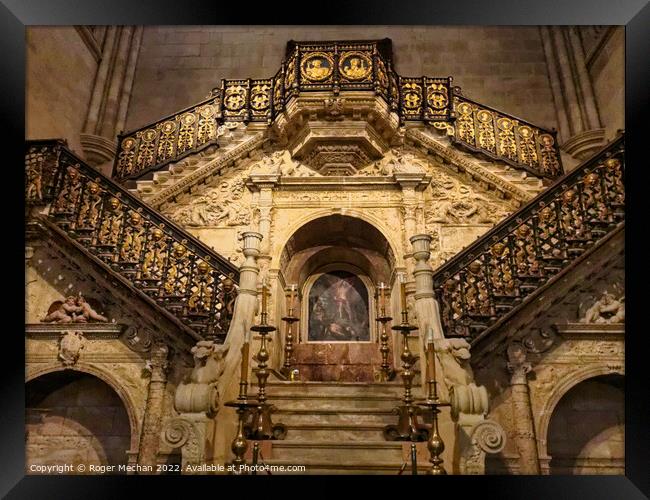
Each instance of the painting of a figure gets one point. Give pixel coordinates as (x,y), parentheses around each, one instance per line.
(338,309)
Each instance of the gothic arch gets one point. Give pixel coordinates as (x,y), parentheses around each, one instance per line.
(560,390)
(112,382)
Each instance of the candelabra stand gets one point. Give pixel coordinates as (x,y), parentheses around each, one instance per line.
(240,444)
(289,319)
(261,425)
(435,444)
(408,428)
(387,373)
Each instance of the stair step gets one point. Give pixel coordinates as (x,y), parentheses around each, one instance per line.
(341,416)
(325,432)
(315,402)
(366,467)
(342,452)
(302,388)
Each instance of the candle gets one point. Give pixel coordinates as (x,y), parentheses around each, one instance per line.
(382,298)
(264,297)
(244,362)
(292,296)
(402,284)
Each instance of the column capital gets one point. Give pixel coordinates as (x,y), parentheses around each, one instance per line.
(517,364)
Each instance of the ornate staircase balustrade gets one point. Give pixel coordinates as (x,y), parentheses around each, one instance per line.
(159,259)
(335,67)
(496,273)
(504,137)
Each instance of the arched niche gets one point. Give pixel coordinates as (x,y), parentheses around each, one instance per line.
(76,418)
(586,433)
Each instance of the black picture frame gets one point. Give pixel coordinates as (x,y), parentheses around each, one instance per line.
(634,14)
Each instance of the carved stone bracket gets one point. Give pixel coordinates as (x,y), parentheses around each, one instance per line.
(188,432)
(478,437)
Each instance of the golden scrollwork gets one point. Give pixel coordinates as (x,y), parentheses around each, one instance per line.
(412,95)
(153,263)
(166,141)
(260,97)
(186,132)
(109,231)
(527,149)
(437,97)
(485,130)
(316,66)
(200,300)
(207,126)
(235,98)
(506,138)
(465,123)
(90,207)
(355,65)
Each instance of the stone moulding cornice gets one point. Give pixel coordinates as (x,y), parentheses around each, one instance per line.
(208,169)
(448,154)
(90,330)
(581,330)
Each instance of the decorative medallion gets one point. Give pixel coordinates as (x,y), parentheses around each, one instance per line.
(235,98)
(128,143)
(355,65)
(168,127)
(316,67)
(149,135)
(206,111)
(412,98)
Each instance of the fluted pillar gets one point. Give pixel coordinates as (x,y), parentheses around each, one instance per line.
(111,93)
(152,424)
(581,132)
(522,412)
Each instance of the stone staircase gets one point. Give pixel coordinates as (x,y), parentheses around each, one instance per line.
(234,145)
(336,427)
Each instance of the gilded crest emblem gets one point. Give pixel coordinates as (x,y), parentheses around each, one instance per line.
(412,98)
(316,67)
(355,66)
(260,97)
(235,98)
(437,97)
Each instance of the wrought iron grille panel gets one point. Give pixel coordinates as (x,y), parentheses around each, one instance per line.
(498,271)
(335,67)
(158,258)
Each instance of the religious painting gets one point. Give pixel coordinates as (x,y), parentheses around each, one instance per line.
(355,66)
(316,67)
(338,309)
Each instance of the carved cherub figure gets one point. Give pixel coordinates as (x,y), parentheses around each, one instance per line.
(63,312)
(606,310)
(86,312)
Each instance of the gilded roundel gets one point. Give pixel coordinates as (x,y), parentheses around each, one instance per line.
(188,119)
(206,111)
(316,66)
(235,98)
(547,140)
(168,127)
(505,124)
(128,143)
(437,97)
(464,108)
(355,65)
(484,116)
(149,135)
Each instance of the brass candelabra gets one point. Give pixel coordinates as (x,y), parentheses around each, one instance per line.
(408,428)
(387,373)
(261,425)
(289,320)
(435,444)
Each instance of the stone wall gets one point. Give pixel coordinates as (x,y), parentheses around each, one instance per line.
(607,71)
(500,66)
(60,75)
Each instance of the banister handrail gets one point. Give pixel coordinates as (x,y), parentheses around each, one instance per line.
(182,273)
(497,271)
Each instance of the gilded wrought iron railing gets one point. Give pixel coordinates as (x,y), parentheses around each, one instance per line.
(334,67)
(498,271)
(507,138)
(159,259)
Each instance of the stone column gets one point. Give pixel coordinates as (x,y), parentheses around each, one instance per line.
(111,94)
(262,186)
(581,131)
(522,410)
(151,426)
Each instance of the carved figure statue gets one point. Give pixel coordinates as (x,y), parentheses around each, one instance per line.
(607,310)
(454,358)
(63,312)
(209,362)
(86,312)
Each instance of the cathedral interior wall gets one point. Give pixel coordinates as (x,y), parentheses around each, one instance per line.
(58,88)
